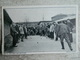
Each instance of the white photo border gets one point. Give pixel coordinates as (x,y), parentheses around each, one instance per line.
(38,6)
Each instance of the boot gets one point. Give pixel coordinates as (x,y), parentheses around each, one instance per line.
(70,46)
(62,45)
(56,39)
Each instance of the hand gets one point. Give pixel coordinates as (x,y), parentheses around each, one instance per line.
(16,32)
(70,32)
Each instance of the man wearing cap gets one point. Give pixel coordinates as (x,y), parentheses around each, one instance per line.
(63,31)
(52,31)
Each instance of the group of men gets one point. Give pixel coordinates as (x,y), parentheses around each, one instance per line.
(62,30)
(18,32)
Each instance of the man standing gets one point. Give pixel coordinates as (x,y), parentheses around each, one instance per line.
(63,31)
(13,33)
(56,30)
(25,32)
(52,31)
(21,32)
(70,25)
(41,28)
(17,35)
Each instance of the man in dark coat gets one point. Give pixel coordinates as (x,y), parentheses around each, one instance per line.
(56,30)
(13,33)
(70,25)
(63,31)
(25,31)
(52,30)
(17,35)
(21,33)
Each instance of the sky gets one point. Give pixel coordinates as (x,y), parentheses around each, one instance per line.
(37,14)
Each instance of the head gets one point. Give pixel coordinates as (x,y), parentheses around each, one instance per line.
(64,21)
(59,22)
(13,24)
(54,23)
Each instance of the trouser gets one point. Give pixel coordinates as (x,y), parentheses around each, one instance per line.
(25,35)
(66,37)
(43,32)
(56,37)
(22,36)
(52,35)
(70,37)
(17,37)
(40,32)
(14,40)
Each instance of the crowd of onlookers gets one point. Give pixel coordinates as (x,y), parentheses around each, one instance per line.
(62,30)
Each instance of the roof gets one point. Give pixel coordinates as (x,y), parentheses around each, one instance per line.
(69,17)
(7,17)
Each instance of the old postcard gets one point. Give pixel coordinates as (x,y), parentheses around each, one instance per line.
(39,29)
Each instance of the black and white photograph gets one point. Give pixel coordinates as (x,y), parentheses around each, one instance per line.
(39,29)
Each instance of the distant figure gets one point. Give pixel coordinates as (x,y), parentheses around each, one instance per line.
(21,32)
(63,31)
(13,33)
(41,29)
(25,32)
(70,25)
(17,35)
(34,30)
(52,31)
(48,30)
(56,30)
(37,30)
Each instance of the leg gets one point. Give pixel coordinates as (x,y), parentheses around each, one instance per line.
(68,41)
(51,35)
(56,37)
(17,38)
(62,43)
(70,37)
(14,41)
(26,35)
(22,37)
(61,40)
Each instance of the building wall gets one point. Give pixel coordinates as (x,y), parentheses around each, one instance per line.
(6,29)
(7,36)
